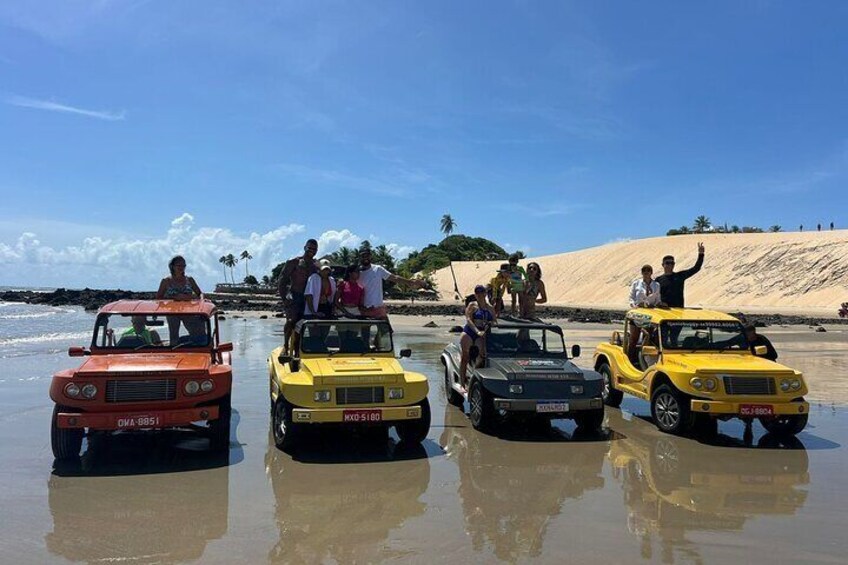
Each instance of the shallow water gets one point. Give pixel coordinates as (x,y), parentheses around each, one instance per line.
(544,495)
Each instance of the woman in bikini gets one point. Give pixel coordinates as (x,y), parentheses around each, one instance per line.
(534,292)
(177,287)
(479,316)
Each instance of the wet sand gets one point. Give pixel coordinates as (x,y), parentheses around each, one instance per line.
(550,496)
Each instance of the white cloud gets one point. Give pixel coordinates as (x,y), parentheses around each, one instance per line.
(51,106)
(109,262)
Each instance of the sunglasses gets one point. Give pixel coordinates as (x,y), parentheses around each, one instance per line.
(668,263)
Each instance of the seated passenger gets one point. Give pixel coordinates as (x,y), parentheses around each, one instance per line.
(479,316)
(138,334)
(320,293)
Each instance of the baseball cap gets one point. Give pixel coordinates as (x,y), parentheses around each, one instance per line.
(325,264)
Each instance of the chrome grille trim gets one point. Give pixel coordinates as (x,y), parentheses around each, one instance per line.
(360,395)
(141,391)
(749,385)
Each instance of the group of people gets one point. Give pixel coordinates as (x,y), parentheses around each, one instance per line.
(524,286)
(309,290)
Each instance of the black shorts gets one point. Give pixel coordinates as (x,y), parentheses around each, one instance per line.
(294,311)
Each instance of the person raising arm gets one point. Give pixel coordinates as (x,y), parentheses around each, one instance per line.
(672,282)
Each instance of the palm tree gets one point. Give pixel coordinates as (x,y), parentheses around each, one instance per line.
(230,261)
(684,230)
(702,223)
(247,257)
(448,224)
(775,228)
(223,261)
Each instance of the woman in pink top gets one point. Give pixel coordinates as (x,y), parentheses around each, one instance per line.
(351,295)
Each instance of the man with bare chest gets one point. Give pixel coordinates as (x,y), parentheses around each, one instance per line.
(292,284)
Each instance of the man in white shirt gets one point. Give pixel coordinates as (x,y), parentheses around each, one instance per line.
(371,278)
(644,292)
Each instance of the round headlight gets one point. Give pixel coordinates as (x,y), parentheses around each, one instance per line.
(795,384)
(697,383)
(72,390)
(191,387)
(709,384)
(206,385)
(89,391)
(784,385)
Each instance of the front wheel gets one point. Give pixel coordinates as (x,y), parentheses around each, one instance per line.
(785,425)
(453,397)
(671,411)
(611,396)
(285,431)
(415,431)
(483,412)
(66,442)
(220,429)
(590,420)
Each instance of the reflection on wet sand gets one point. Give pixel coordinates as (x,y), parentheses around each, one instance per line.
(344,512)
(672,487)
(511,491)
(139,499)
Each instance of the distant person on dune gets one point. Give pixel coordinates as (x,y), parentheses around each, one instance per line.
(818,227)
(672,282)
(755,339)
(500,286)
(831,226)
(517,277)
(291,287)
(534,291)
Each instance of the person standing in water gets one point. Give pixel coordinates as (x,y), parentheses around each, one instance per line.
(291,287)
(672,282)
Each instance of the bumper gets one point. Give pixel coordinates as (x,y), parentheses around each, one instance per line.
(752,409)
(532,405)
(137,419)
(355,415)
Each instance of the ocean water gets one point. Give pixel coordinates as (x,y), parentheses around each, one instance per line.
(33,329)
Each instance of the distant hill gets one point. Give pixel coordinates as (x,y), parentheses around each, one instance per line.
(783,272)
(452,248)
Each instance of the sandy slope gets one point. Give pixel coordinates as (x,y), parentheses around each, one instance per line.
(776,272)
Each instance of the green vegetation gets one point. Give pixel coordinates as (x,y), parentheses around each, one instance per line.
(250,279)
(702,224)
(452,248)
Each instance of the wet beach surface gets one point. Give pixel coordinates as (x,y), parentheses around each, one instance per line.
(548,495)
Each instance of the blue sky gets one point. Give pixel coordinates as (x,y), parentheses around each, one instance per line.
(547,126)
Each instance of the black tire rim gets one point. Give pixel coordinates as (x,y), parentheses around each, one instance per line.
(607,384)
(279,422)
(476,402)
(667,411)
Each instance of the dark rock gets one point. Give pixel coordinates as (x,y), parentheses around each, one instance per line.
(263,317)
(820,329)
(431,324)
(222,318)
(455,330)
(280,315)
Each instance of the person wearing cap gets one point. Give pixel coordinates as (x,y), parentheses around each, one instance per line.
(500,284)
(479,316)
(672,282)
(644,293)
(350,298)
(754,339)
(371,278)
(320,292)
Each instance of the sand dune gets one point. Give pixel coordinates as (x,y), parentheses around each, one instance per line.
(798,272)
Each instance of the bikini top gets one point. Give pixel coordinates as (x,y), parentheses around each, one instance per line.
(177,289)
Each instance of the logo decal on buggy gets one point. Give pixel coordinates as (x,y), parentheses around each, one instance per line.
(537,363)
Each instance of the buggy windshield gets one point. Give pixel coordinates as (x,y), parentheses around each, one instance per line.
(139,331)
(333,337)
(703,335)
(524,341)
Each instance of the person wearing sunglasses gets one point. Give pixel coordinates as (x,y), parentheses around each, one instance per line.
(672,282)
(534,292)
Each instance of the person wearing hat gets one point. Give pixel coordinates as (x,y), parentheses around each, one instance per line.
(479,316)
(754,339)
(320,293)
(500,284)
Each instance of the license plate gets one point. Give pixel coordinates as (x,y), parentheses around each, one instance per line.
(138,422)
(756,410)
(362,416)
(552,407)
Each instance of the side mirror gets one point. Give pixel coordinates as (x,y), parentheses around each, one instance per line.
(406,353)
(575,351)
(650,350)
(82,352)
(294,365)
(225,347)
(759,350)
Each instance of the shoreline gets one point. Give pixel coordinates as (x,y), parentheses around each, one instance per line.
(92,299)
